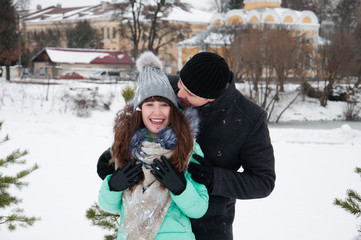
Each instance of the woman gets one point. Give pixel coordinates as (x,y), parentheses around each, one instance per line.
(153,144)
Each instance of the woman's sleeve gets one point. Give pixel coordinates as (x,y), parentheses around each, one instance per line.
(110,201)
(193,201)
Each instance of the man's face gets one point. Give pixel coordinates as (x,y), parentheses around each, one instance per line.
(188,98)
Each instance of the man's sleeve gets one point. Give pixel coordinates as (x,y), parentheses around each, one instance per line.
(103,166)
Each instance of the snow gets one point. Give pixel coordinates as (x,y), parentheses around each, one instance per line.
(314,164)
(194,15)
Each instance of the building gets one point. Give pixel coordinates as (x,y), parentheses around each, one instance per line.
(57,61)
(105,18)
(255,13)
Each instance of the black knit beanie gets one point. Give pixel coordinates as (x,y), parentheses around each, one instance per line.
(206,75)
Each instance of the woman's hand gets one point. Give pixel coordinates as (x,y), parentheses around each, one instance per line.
(168,176)
(126,177)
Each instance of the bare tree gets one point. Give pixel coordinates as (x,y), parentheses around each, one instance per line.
(337,61)
(251,57)
(357,34)
(284,53)
(346,14)
(47,38)
(146,26)
(266,57)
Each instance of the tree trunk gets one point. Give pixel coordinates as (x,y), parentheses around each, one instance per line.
(358,81)
(325,94)
(7,72)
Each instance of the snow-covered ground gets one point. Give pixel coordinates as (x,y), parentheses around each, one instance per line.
(314,165)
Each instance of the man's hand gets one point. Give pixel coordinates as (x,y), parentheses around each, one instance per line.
(202,173)
(168,176)
(126,177)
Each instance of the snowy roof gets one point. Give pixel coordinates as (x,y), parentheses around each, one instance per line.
(209,37)
(85,56)
(107,10)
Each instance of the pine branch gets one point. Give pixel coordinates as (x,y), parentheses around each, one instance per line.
(104,220)
(352,203)
(17,219)
(13,158)
(6,199)
(6,138)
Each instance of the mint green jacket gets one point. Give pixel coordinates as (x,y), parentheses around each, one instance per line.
(192,203)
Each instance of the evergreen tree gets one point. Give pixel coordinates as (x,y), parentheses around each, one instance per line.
(8,34)
(235,4)
(15,217)
(352,203)
(83,36)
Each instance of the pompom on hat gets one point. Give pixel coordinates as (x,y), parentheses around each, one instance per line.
(151,80)
(206,75)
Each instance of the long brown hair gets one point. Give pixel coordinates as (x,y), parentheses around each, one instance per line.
(129,121)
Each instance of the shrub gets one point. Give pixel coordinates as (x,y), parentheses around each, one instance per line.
(83,100)
(352,111)
(128,94)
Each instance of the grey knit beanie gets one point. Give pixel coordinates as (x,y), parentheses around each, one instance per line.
(151,80)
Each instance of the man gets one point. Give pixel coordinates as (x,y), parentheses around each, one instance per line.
(238,158)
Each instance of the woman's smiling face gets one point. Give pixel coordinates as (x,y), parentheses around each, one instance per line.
(155,115)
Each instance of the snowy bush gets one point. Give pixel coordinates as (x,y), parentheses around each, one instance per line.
(339,93)
(353,108)
(83,100)
(352,111)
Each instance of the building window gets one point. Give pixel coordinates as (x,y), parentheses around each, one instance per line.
(308,41)
(114,32)
(108,33)
(102,33)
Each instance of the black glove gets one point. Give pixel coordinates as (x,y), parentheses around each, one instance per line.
(127,176)
(168,176)
(202,173)
(103,166)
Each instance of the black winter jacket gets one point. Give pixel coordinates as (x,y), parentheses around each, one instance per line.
(234,137)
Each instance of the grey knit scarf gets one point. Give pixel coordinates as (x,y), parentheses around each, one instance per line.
(146,206)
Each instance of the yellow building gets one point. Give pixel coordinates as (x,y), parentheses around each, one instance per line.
(255,12)
(102,17)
